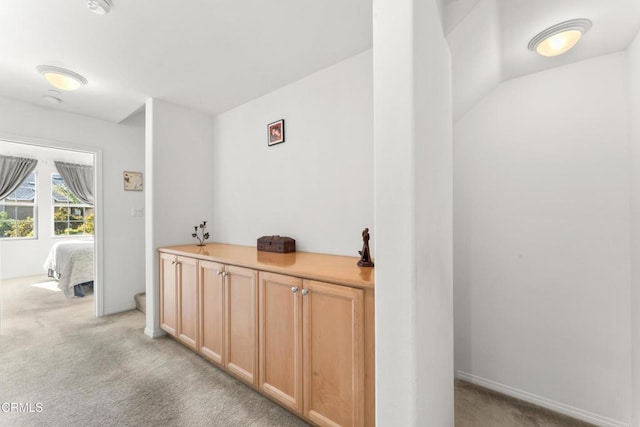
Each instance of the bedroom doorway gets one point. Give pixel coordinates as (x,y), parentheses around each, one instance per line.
(56,220)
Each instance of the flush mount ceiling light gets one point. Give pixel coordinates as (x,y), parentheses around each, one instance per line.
(99,7)
(560,38)
(61,78)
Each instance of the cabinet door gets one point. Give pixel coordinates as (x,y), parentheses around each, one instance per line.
(281,339)
(212,311)
(333,354)
(241,322)
(168,294)
(188,302)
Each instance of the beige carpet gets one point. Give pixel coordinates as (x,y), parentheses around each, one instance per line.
(83,371)
(479,407)
(86,371)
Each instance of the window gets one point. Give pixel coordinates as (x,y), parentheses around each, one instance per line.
(17,211)
(70,216)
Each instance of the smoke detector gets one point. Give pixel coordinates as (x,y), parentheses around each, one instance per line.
(99,7)
(52,99)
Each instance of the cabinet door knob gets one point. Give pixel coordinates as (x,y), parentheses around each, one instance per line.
(294,289)
(175,261)
(305,292)
(225,274)
(218,272)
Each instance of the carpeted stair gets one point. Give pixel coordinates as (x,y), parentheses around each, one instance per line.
(141,302)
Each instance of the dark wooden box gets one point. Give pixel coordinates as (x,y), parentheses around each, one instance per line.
(278,244)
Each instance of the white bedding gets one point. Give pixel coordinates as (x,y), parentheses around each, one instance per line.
(72,263)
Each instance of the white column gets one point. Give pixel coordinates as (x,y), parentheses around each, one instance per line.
(179,151)
(634,145)
(152,292)
(412,158)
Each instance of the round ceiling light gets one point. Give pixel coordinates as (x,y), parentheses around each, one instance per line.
(99,7)
(559,38)
(61,78)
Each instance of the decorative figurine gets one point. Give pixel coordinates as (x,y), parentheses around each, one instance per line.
(365,254)
(205,235)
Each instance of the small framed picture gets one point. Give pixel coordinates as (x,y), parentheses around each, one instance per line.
(275,132)
(133,181)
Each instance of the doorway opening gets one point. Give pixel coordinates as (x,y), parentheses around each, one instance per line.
(55,237)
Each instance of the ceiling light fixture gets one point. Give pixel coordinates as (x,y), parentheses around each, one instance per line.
(61,78)
(559,38)
(99,7)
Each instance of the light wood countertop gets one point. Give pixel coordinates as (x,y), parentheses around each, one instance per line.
(328,268)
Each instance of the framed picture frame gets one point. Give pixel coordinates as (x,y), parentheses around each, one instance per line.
(275,132)
(132,181)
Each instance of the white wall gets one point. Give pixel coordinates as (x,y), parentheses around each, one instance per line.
(475,52)
(541,241)
(317,186)
(178,145)
(25,257)
(412,168)
(434,223)
(121,148)
(634,76)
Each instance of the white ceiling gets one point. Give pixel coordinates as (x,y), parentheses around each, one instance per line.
(488,38)
(454,12)
(210,55)
(615,24)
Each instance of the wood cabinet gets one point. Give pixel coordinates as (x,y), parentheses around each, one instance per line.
(312,348)
(305,339)
(281,339)
(187,275)
(241,319)
(212,320)
(228,320)
(333,354)
(179,298)
(168,294)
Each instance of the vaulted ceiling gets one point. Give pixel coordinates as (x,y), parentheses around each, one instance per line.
(488,38)
(212,55)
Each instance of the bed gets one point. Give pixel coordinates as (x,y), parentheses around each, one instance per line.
(71,263)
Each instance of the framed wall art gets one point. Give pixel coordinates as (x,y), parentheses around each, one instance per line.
(275,132)
(133,181)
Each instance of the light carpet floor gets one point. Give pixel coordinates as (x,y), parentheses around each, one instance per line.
(478,407)
(86,371)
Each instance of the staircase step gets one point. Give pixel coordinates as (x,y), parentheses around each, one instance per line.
(141,303)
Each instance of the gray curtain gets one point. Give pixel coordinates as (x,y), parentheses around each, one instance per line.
(13,171)
(79,179)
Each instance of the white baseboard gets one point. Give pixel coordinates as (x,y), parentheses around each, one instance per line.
(154,333)
(115,310)
(541,401)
